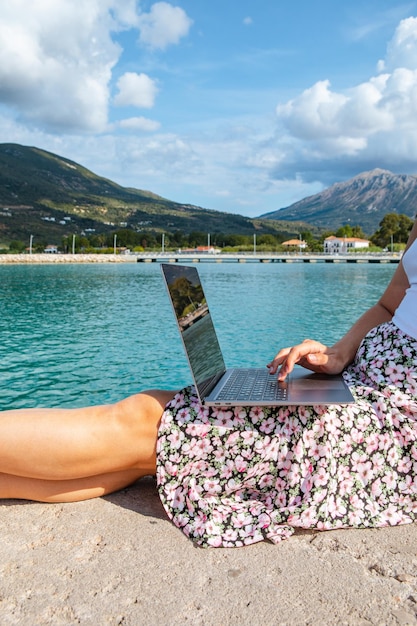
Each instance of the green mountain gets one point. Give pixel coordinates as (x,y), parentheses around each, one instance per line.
(361,201)
(48,196)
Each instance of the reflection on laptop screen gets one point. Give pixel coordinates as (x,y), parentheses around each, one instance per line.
(194,320)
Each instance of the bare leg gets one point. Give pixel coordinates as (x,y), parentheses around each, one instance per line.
(67,454)
(72,490)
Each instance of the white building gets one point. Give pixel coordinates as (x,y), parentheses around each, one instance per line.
(343,245)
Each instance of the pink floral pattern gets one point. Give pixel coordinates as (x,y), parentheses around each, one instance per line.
(233,476)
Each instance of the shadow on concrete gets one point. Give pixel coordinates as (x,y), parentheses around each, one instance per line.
(141,497)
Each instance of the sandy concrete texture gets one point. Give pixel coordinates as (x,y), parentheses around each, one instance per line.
(118,560)
(38,259)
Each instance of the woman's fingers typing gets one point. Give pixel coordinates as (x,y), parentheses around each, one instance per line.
(310,354)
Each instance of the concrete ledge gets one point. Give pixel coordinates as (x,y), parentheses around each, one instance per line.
(118,560)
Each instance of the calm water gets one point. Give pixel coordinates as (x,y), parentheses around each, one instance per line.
(75,335)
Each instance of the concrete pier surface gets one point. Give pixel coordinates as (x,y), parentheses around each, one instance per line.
(119,560)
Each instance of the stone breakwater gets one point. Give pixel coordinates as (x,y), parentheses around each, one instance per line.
(33,259)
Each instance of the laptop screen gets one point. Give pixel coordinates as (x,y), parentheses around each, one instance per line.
(195,323)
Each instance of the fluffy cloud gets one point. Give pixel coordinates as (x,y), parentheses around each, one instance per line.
(163,25)
(136,90)
(371,124)
(139,124)
(56,62)
(57,59)
(402,49)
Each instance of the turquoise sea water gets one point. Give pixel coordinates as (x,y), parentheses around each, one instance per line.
(75,335)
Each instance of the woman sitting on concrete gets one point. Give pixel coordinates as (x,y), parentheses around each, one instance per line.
(233,476)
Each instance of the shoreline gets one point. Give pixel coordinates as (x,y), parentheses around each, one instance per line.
(172,257)
(42,258)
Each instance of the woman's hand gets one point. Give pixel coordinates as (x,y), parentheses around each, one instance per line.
(319,358)
(311,354)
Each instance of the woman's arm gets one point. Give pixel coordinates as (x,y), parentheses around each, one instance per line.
(332,360)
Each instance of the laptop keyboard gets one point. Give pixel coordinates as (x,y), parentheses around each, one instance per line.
(253,385)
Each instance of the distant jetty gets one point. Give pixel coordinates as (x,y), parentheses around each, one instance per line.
(268,258)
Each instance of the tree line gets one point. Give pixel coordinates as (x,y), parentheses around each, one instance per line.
(392,233)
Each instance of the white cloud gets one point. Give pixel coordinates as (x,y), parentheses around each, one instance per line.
(56,62)
(125,13)
(248,21)
(313,112)
(139,123)
(371,124)
(161,152)
(402,49)
(57,59)
(136,90)
(163,25)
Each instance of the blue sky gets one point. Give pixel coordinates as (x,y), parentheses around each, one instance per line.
(242,106)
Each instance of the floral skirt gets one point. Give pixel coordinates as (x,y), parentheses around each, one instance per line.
(234,476)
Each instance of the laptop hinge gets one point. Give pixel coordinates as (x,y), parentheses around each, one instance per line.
(208,385)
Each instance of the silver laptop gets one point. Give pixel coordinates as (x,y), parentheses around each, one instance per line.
(218,386)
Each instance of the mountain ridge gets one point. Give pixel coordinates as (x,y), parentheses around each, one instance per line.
(361,201)
(50,196)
